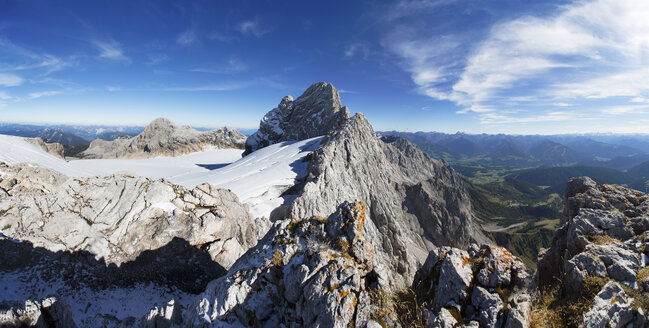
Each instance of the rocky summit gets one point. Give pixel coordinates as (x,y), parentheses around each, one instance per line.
(316,112)
(164,138)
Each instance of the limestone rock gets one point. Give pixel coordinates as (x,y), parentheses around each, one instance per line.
(316,112)
(53,148)
(600,237)
(305,272)
(43,314)
(413,202)
(164,138)
(455,280)
(118,217)
(611,308)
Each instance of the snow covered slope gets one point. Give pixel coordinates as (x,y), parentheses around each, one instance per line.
(258,179)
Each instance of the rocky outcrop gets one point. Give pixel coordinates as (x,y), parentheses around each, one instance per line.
(602,247)
(485,286)
(315,113)
(118,217)
(49,312)
(164,138)
(53,148)
(413,201)
(314,271)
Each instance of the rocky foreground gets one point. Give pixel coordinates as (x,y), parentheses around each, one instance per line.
(377,235)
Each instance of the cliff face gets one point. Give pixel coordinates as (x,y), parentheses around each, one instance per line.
(164,138)
(413,202)
(315,113)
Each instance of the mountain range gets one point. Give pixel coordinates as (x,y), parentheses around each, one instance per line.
(316,220)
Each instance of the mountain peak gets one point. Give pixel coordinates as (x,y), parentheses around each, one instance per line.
(316,112)
(160,124)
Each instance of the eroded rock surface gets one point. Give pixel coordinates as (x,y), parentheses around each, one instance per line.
(485,286)
(118,217)
(164,138)
(315,113)
(314,272)
(602,243)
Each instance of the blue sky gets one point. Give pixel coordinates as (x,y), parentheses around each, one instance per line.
(493,66)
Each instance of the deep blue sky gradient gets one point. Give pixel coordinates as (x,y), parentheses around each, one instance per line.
(214,63)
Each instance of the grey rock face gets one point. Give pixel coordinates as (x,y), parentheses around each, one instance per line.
(164,138)
(316,112)
(413,202)
(603,237)
(305,272)
(118,217)
(602,228)
(611,308)
(454,280)
(39,314)
(53,148)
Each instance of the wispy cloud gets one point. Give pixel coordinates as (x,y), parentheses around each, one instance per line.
(405,8)
(111,50)
(113,89)
(555,116)
(186,38)
(35,95)
(30,60)
(10,80)
(156,59)
(587,50)
(361,49)
(253,28)
(231,85)
(5,96)
(218,36)
(234,65)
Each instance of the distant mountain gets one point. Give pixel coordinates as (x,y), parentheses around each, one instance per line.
(556,177)
(619,163)
(509,148)
(60,136)
(463,146)
(162,137)
(552,153)
(597,148)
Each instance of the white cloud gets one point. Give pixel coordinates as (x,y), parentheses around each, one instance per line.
(252,28)
(111,50)
(503,118)
(358,48)
(586,50)
(113,89)
(234,65)
(155,59)
(35,95)
(30,60)
(186,38)
(10,80)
